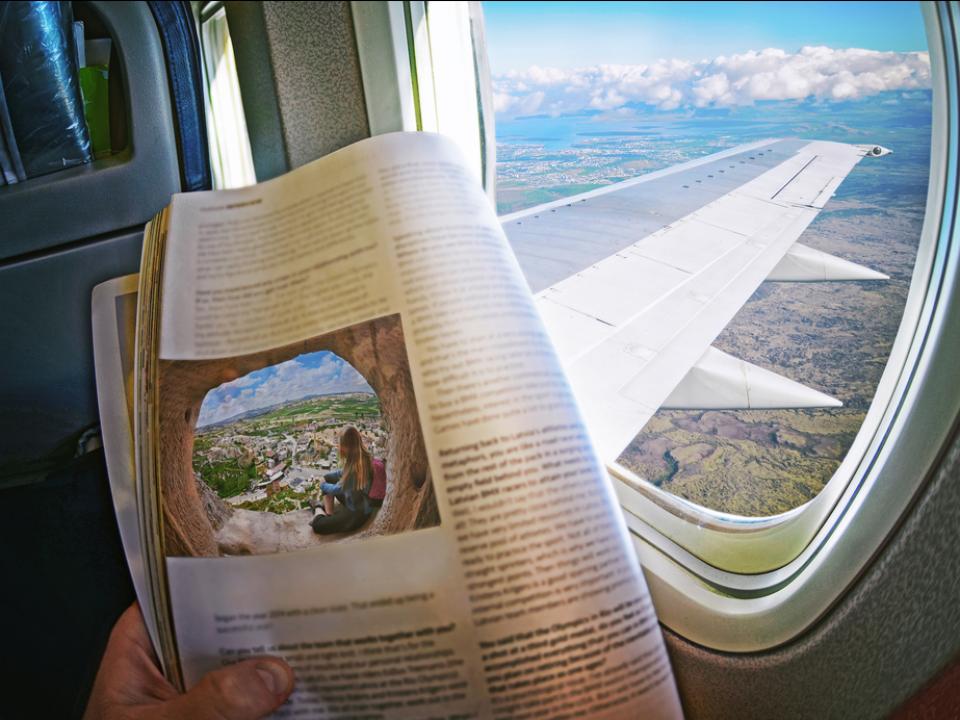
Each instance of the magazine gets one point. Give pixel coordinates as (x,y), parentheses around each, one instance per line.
(340,434)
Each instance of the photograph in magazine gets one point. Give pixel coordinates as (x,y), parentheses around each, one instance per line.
(315,442)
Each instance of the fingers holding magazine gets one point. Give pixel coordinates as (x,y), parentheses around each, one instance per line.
(130,682)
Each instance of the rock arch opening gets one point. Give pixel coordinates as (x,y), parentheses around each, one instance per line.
(199,523)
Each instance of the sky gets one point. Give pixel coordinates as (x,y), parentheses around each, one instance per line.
(319,373)
(574,34)
(556,58)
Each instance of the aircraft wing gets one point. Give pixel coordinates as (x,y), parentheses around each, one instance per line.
(634,281)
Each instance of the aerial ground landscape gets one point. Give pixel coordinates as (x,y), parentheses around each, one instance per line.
(834,336)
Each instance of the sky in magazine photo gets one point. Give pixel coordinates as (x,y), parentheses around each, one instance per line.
(280,447)
(590,94)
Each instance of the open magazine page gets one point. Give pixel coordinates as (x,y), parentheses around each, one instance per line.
(113,309)
(152,511)
(370,300)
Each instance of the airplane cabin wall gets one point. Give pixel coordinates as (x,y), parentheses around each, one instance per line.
(64,575)
(300,79)
(893,631)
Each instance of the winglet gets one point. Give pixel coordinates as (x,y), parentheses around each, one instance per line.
(875,150)
(719,381)
(805,264)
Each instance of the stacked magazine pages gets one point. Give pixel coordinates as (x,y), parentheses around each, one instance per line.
(337,432)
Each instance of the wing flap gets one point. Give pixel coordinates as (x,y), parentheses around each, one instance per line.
(774,185)
(570,331)
(688,246)
(814,184)
(739,213)
(617,288)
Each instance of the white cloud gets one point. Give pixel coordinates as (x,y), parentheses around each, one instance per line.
(522,104)
(772,74)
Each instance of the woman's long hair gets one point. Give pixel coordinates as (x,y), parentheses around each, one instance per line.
(356,458)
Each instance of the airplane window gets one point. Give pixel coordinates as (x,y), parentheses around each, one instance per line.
(230,156)
(712,104)
(424,67)
(455,102)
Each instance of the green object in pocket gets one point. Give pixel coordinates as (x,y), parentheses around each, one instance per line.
(96,106)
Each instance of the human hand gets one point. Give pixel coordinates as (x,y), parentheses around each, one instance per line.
(130,686)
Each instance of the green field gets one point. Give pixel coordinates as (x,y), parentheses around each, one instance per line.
(227,477)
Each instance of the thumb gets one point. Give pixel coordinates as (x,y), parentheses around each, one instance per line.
(248,690)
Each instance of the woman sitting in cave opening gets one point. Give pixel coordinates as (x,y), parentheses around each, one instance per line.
(353,488)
